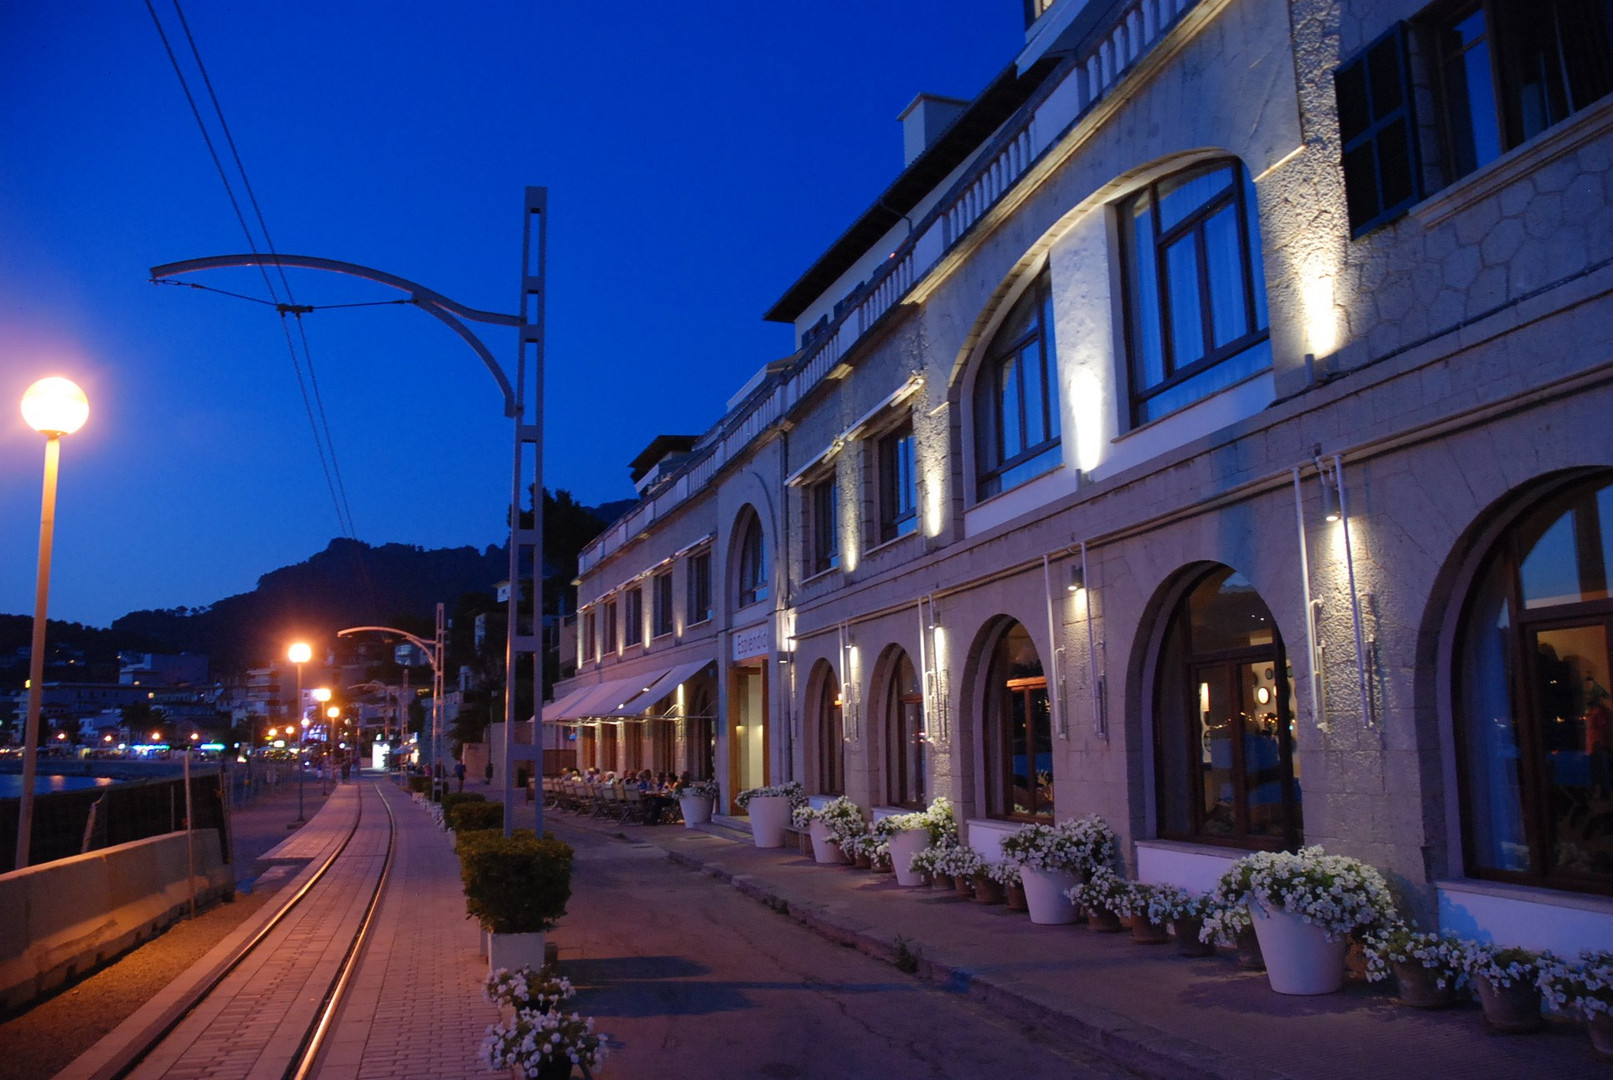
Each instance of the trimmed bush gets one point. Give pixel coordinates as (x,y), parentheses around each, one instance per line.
(451,799)
(517,884)
(420,785)
(472,815)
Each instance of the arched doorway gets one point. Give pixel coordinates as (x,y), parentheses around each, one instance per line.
(1016,729)
(1532,676)
(903,731)
(1224,730)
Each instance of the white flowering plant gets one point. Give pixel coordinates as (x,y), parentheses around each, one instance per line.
(924,860)
(1004,872)
(1442,954)
(1137,902)
(937,818)
(701,789)
(791,790)
(1075,846)
(524,988)
(876,848)
(804,815)
(960,862)
(534,1038)
(1335,892)
(843,818)
(1167,903)
(1585,984)
(1504,965)
(1103,891)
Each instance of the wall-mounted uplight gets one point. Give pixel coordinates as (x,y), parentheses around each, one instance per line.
(1078,580)
(1330,492)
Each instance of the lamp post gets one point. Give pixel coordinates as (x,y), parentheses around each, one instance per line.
(53,407)
(299,654)
(434,653)
(332,714)
(322,695)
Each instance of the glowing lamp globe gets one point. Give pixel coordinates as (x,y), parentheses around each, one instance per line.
(300,653)
(55,406)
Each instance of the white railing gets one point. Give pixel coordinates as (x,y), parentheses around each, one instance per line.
(1107,60)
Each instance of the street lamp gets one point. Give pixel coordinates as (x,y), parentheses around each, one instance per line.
(53,407)
(434,653)
(299,653)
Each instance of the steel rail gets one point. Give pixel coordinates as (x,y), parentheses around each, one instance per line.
(126,1064)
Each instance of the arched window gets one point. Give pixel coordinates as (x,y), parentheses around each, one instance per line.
(830,731)
(1016,397)
(904,735)
(1195,289)
(1018,731)
(1224,726)
(1533,676)
(752,578)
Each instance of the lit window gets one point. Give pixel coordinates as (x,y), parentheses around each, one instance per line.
(633,616)
(1195,290)
(823,530)
(661,604)
(1016,398)
(898,483)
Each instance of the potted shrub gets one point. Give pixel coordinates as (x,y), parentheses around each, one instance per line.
(1428,967)
(526,988)
(960,864)
(1227,922)
(696,800)
(1586,986)
(909,834)
(1103,895)
(769,809)
(516,886)
(1507,979)
(1304,905)
(1054,858)
(837,821)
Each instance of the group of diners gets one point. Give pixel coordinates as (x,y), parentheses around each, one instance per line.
(646,797)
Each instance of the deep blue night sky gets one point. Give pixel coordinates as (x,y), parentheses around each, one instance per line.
(698,158)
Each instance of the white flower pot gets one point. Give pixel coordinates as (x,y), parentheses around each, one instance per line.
(514,951)
(1299,958)
(824,848)
(769,817)
(905,845)
(1044,895)
(696,809)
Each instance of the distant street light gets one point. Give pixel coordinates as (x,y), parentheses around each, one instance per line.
(299,653)
(434,655)
(53,407)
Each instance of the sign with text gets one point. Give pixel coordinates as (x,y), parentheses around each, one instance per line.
(753,641)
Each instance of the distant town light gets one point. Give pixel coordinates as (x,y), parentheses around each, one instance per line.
(300,653)
(55,406)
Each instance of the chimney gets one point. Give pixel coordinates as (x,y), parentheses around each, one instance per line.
(924,120)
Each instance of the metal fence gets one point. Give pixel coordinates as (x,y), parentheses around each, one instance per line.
(69,822)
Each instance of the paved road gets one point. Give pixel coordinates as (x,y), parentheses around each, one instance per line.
(691,978)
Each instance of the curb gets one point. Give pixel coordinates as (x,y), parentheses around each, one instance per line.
(1120,1038)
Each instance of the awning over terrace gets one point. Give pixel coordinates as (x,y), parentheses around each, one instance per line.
(664,683)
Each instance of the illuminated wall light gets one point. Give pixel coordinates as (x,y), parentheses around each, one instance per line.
(1087,407)
(1321,314)
(934,492)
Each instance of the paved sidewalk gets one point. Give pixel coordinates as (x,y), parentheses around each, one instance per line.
(1163,1014)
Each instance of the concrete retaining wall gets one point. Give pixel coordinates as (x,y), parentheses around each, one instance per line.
(65,918)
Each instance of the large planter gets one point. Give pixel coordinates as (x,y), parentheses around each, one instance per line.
(769,818)
(1299,958)
(1044,895)
(515,951)
(1600,1026)
(1509,1010)
(824,848)
(905,845)
(1419,986)
(696,809)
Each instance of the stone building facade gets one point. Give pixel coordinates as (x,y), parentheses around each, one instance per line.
(1207,430)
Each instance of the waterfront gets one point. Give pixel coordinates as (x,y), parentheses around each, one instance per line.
(11,784)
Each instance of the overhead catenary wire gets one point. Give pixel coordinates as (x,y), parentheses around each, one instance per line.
(313,402)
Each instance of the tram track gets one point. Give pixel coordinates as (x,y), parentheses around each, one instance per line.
(259,997)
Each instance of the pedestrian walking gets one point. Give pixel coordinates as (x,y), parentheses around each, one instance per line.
(459,773)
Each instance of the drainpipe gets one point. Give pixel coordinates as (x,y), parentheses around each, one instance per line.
(1100,718)
(1055,677)
(1355,600)
(1318,709)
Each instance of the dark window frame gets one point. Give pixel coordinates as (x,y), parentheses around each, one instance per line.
(995,462)
(1004,688)
(610,641)
(1378,131)
(821,502)
(831,730)
(587,641)
(751,584)
(906,771)
(661,620)
(697,595)
(896,464)
(1239,194)
(633,617)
